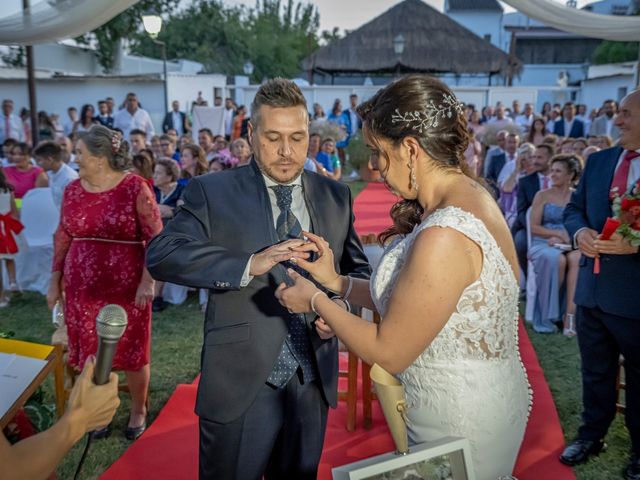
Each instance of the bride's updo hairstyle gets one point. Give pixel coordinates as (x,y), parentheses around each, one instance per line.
(424,108)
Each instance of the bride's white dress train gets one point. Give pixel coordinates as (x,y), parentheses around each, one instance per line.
(470,382)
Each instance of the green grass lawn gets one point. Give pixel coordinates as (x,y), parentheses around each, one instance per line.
(175,352)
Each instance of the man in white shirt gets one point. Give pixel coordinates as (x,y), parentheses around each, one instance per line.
(133,117)
(48,156)
(525,120)
(500,120)
(66,152)
(229,113)
(72,112)
(356,123)
(495,150)
(10,123)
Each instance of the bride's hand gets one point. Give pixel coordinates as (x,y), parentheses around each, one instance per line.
(297,297)
(322,268)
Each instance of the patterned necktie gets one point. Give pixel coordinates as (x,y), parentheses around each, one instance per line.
(545,182)
(621,177)
(296,349)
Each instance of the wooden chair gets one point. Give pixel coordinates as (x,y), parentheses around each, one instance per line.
(351,393)
(65,374)
(620,385)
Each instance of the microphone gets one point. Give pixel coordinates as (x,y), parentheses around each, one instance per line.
(110,325)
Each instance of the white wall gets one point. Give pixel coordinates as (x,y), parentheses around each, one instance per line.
(66,59)
(481,23)
(596,91)
(547,74)
(185,88)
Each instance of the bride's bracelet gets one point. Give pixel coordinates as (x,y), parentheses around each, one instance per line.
(313,299)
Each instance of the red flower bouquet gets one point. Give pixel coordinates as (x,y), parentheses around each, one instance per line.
(625,221)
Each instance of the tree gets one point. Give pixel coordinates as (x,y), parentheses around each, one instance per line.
(124,26)
(616,52)
(273,36)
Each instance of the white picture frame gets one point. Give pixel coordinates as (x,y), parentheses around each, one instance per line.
(446,459)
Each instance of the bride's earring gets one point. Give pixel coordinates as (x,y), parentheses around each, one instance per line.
(412,176)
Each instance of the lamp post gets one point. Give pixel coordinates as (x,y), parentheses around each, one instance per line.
(152,25)
(398,48)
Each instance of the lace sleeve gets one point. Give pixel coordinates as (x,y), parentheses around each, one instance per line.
(148,213)
(61,243)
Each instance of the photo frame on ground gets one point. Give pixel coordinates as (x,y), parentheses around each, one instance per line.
(446,459)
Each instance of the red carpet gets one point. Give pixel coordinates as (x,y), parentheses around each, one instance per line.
(169,448)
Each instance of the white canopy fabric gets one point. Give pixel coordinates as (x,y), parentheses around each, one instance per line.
(607,27)
(58,19)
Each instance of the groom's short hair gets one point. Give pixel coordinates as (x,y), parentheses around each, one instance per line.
(277,93)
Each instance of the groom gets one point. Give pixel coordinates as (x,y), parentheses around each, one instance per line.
(268,376)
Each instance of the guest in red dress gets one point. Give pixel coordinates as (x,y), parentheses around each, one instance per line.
(106,220)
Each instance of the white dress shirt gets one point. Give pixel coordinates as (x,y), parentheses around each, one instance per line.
(507,170)
(59,180)
(13,125)
(177,123)
(228,121)
(568,125)
(524,122)
(139,120)
(298,207)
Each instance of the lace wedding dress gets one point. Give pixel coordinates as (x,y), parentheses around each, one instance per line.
(470,382)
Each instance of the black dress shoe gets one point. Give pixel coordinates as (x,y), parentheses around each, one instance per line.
(158,304)
(580,451)
(101,433)
(632,472)
(132,433)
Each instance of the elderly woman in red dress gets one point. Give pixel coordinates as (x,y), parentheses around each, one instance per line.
(108,215)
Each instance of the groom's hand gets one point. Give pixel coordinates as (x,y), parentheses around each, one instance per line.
(281,252)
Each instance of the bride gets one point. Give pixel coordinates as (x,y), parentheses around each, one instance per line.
(445,287)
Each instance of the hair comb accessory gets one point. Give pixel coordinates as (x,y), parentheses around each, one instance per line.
(429,118)
(115,142)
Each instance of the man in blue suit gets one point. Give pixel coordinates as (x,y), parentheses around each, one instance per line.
(608,315)
(569,125)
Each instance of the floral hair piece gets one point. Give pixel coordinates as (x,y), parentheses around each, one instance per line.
(429,118)
(115,142)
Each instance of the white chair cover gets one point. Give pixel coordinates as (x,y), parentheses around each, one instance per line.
(40,218)
(532,299)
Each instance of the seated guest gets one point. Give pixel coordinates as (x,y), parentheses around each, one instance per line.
(554,262)
(194,163)
(221,146)
(328,158)
(513,171)
(500,160)
(168,148)
(48,156)
(218,164)
(7,146)
(168,191)
(588,151)
(137,140)
(473,151)
(311,163)
(528,186)
(22,174)
(144,164)
(240,152)
(578,146)
(566,146)
(205,140)
(155,146)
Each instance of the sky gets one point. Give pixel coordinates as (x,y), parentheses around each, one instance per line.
(344,14)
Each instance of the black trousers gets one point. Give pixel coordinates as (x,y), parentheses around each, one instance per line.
(602,337)
(280,437)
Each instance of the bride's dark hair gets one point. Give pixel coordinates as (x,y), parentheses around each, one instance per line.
(445,142)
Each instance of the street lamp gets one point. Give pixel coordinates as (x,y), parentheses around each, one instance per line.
(152,25)
(398,48)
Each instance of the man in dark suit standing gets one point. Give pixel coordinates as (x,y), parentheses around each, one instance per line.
(268,376)
(498,162)
(608,315)
(104,117)
(177,120)
(527,188)
(569,125)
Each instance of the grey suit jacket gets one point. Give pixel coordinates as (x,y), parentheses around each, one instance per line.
(225,218)
(599,127)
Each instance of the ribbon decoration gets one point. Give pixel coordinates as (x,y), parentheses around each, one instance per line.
(8,227)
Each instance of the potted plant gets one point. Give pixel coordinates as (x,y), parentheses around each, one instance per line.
(358,154)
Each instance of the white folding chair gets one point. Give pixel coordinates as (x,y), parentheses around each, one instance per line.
(40,218)
(531,277)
